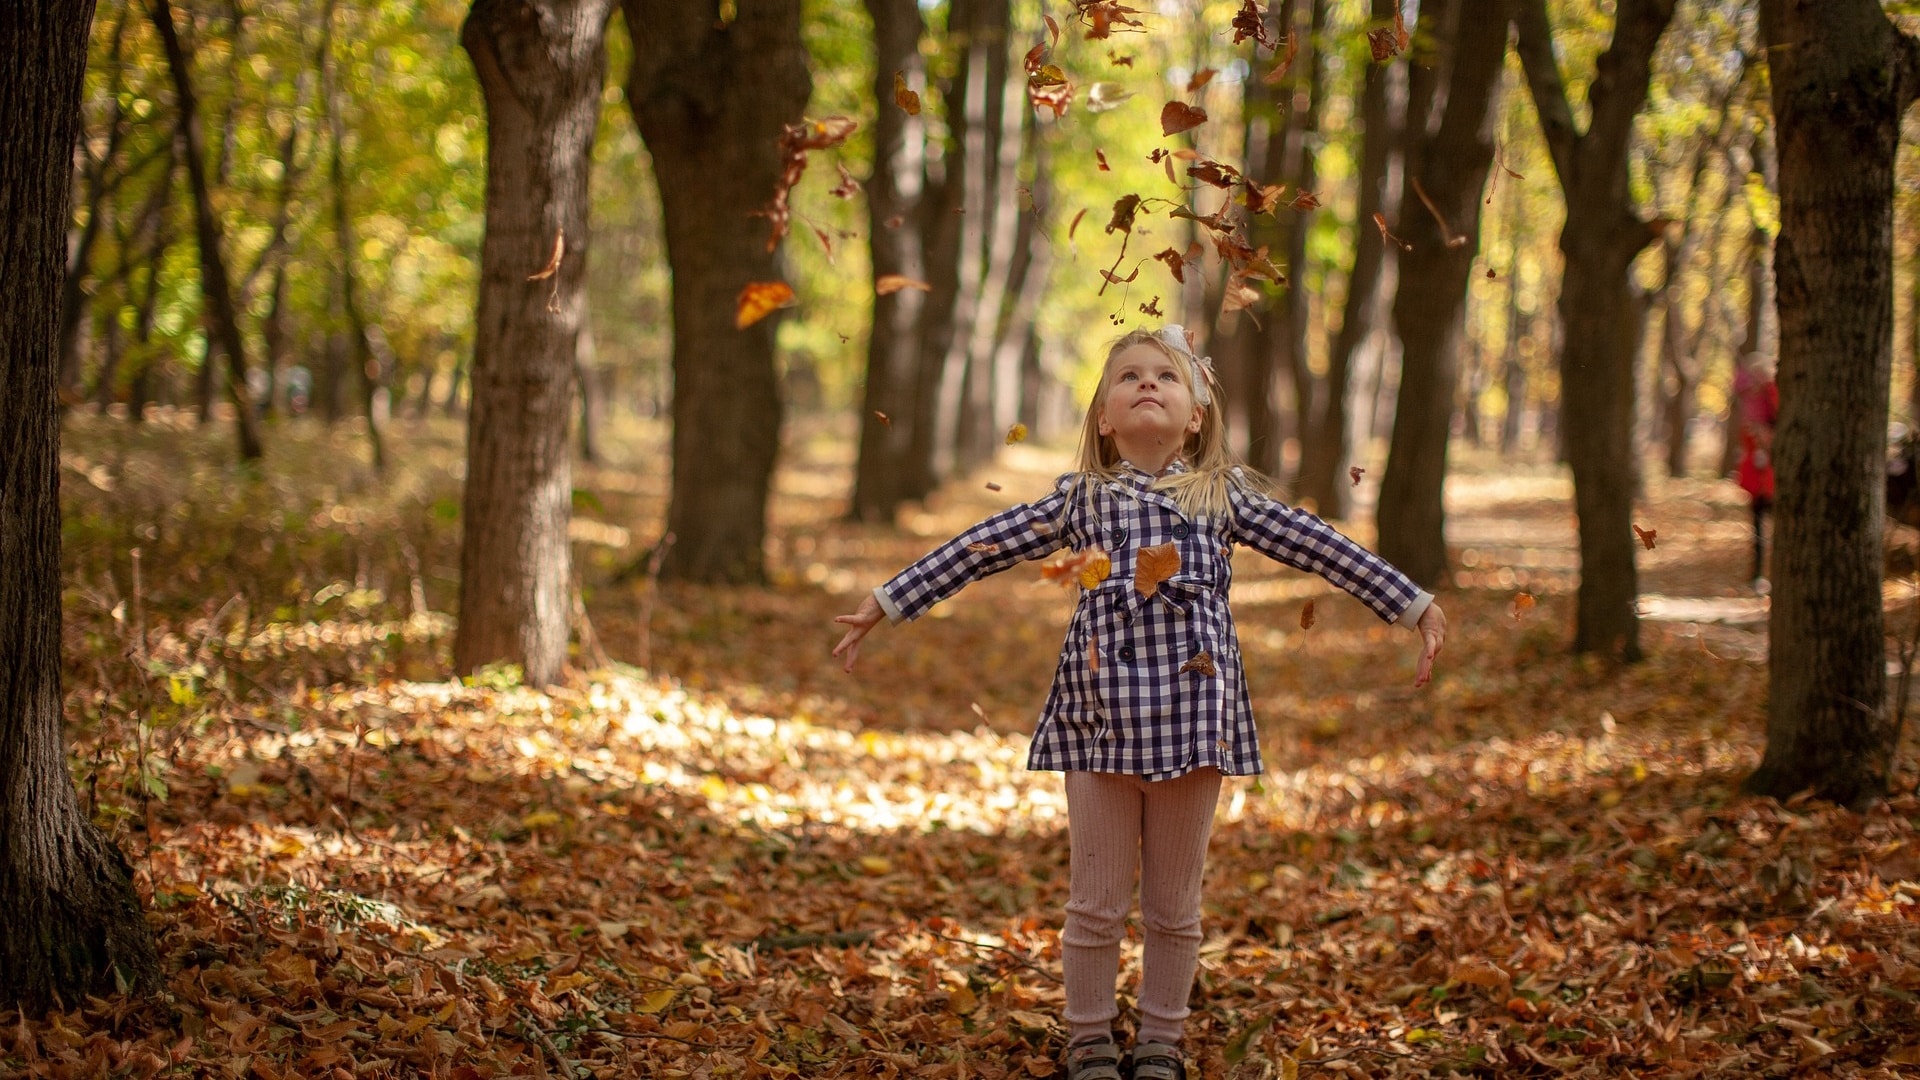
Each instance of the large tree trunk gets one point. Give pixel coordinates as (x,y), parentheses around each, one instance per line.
(1841,78)
(368,363)
(223,319)
(1449,160)
(73,923)
(711,99)
(541,66)
(1598,306)
(894,232)
(1324,447)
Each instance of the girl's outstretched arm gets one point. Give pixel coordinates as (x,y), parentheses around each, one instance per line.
(862,621)
(1433,634)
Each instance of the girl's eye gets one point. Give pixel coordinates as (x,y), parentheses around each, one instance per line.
(1124,376)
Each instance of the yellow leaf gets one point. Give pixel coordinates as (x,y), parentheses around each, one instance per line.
(962,1000)
(1096,570)
(760,299)
(540,819)
(875,865)
(1016,433)
(288,845)
(1422,1035)
(655,1002)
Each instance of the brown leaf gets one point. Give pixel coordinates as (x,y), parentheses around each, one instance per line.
(991,486)
(553,260)
(1237,295)
(1100,159)
(1354,473)
(1250,22)
(1215,173)
(1035,57)
(1151,309)
(1307,616)
(848,186)
(1154,565)
(885,420)
(1262,198)
(1175,264)
(903,97)
(1646,536)
(893,283)
(760,299)
(1178,116)
(1305,201)
(986,548)
(1279,72)
(1522,603)
(1118,60)
(1387,42)
(1124,208)
(1202,662)
(1200,79)
(1076,222)
(1447,235)
(1086,568)
(1380,222)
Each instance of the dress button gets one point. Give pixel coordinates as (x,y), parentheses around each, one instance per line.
(1117,538)
(1125,654)
(1180,531)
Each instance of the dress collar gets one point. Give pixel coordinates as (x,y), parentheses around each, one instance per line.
(1141,476)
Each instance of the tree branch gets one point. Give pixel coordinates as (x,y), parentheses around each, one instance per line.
(1535,47)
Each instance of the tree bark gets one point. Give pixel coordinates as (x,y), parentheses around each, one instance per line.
(1841,78)
(1599,308)
(895,188)
(541,64)
(1324,449)
(711,99)
(223,320)
(73,925)
(1449,160)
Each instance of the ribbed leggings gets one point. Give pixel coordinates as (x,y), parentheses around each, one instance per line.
(1121,824)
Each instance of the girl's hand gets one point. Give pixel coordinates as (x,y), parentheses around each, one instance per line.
(866,619)
(1433,634)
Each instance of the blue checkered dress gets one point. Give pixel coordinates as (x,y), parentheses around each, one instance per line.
(1147,707)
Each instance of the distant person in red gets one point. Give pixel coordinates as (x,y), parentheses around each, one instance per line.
(1756,404)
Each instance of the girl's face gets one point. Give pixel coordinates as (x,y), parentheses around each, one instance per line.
(1147,408)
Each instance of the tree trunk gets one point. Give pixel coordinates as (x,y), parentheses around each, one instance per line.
(1323,452)
(73,925)
(223,320)
(1841,78)
(540,67)
(1449,160)
(894,190)
(1598,307)
(711,99)
(368,368)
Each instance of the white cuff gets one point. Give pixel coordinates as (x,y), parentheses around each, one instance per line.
(893,610)
(1410,618)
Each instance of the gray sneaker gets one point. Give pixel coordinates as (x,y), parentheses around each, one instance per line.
(1158,1061)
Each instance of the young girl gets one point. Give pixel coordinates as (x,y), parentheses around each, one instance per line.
(1149,704)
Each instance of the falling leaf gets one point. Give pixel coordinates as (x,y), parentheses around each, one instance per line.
(991,486)
(848,186)
(1102,96)
(1490,273)
(795,141)
(1285,63)
(1076,222)
(904,97)
(1250,22)
(1048,75)
(893,283)
(1175,264)
(1016,433)
(1100,159)
(1116,279)
(1154,565)
(1123,210)
(894,222)
(1151,309)
(1200,79)
(1387,42)
(826,241)
(553,260)
(1237,295)
(1036,56)
(1262,198)
(1522,603)
(760,299)
(1307,616)
(1086,568)
(1305,201)
(1646,536)
(1447,235)
(1236,1048)
(982,547)
(885,420)
(1202,662)
(1354,473)
(1213,172)
(1380,222)
(1178,116)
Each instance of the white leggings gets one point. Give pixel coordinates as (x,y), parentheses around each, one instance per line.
(1118,823)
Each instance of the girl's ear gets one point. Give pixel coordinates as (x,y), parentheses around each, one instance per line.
(1101,425)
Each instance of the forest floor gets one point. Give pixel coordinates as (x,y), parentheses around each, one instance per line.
(710,853)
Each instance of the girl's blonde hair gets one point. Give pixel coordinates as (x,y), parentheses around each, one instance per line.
(1202,490)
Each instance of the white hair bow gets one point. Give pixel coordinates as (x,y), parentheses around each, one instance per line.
(1174,336)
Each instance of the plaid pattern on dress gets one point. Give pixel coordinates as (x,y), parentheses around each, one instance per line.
(1137,711)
